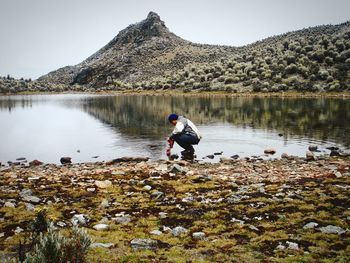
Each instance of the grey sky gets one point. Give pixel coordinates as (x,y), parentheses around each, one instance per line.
(38,36)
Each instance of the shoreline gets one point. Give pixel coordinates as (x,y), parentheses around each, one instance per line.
(292,94)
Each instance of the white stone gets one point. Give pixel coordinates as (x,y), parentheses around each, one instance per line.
(292,245)
(100,227)
(103,184)
(102,245)
(156,232)
(332,230)
(147,188)
(140,243)
(338,174)
(162,215)
(310,225)
(198,235)
(18,230)
(9,204)
(80,219)
(179,230)
(31,199)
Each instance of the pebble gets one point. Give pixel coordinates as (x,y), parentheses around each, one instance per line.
(18,230)
(198,235)
(31,199)
(30,207)
(175,168)
(313,148)
(330,229)
(179,230)
(61,224)
(102,245)
(103,184)
(147,188)
(80,219)
(292,245)
(100,227)
(338,174)
(143,243)
(310,156)
(9,204)
(122,219)
(269,151)
(156,232)
(162,215)
(310,225)
(157,195)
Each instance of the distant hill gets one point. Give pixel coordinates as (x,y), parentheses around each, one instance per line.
(148,56)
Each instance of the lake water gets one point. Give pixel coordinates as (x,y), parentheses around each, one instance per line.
(102,127)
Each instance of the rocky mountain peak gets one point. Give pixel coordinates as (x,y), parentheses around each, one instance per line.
(151,27)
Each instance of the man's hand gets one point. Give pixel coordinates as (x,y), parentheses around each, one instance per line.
(170,142)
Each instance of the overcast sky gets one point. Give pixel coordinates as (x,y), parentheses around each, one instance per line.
(38,36)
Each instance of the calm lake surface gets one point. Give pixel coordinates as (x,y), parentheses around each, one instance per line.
(102,127)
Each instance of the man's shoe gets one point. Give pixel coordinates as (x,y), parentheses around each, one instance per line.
(187,152)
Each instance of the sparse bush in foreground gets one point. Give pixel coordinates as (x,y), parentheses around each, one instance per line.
(54,248)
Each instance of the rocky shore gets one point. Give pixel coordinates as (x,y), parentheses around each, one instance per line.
(287,210)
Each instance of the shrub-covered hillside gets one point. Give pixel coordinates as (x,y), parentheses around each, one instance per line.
(315,59)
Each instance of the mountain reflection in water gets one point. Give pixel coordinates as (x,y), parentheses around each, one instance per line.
(112,126)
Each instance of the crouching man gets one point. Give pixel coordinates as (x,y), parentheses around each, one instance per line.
(185,134)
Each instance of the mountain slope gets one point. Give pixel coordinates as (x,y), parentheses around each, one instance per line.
(147,55)
(141,51)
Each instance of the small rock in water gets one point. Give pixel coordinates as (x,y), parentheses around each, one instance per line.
(21,159)
(280,134)
(270,151)
(96,156)
(332,148)
(78,151)
(66,160)
(219,153)
(313,148)
(236,156)
(210,156)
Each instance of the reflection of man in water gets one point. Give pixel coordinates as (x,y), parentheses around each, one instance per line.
(185,134)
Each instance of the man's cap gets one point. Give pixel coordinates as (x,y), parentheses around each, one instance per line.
(172,117)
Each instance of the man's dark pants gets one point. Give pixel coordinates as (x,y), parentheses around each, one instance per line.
(186,141)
